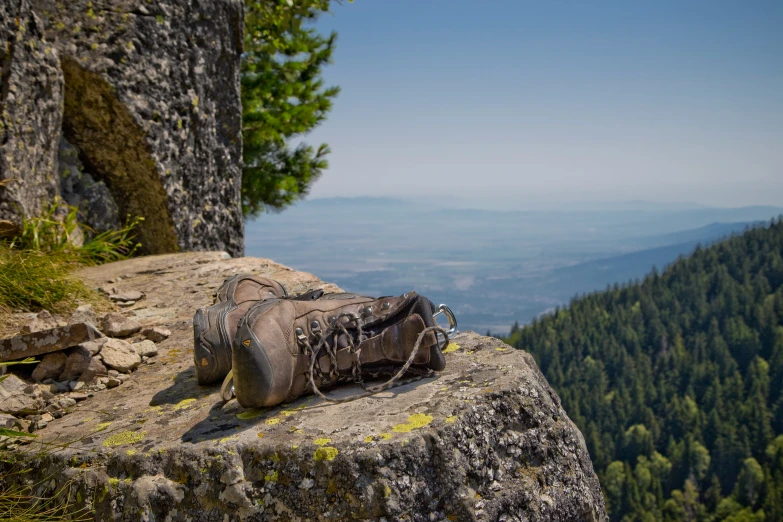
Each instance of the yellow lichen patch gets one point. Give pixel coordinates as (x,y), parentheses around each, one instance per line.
(501,349)
(417,420)
(130,452)
(88,419)
(272,477)
(124,437)
(368,438)
(184,404)
(154,409)
(226,439)
(287,413)
(249,414)
(275,457)
(294,447)
(273,421)
(386,491)
(451,419)
(325,453)
(452,347)
(260,434)
(322,441)
(386,436)
(102,426)
(470,352)
(114,481)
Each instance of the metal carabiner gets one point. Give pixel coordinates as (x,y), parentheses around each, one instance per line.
(443,309)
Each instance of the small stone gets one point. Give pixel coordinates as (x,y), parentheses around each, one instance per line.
(156,333)
(100,386)
(76,385)
(78,361)
(46,417)
(63,387)
(120,355)
(102,380)
(50,367)
(94,347)
(225,255)
(306,483)
(123,377)
(129,295)
(79,396)
(84,314)
(13,398)
(146,348)
(22,425)
(95,370)
(113,382)
(67,402)
(7,421)
(113,373)
(45,392)
(116,325)
(42,321)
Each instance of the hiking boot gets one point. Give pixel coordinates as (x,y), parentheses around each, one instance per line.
(285,348)
(214,327)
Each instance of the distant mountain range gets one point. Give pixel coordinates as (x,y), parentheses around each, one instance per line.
(493,267)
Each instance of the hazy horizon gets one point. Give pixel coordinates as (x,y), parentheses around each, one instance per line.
(511,102)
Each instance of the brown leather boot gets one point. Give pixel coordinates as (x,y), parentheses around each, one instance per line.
(214,327)
(285,348)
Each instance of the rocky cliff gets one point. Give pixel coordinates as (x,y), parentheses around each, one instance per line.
(147,93)
(487,439)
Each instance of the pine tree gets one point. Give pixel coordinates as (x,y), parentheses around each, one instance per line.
(283,97)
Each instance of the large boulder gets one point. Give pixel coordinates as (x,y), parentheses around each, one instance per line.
(31,99)
(150,102)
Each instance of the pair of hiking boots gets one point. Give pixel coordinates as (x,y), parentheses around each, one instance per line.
(269,347)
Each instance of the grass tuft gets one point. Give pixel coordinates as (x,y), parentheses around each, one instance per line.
(31,281)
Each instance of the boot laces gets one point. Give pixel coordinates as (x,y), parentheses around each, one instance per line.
(333,331)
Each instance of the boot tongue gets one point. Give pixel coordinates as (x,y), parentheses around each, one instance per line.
(386,308)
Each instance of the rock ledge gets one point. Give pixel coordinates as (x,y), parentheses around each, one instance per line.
(485,440)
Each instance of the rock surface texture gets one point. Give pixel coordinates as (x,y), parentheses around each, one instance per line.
(148,93)
(31,96)
(487,439)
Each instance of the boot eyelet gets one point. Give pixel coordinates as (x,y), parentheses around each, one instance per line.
(315,327)
(367,311)
(331,319)
(386,305)
(300,337)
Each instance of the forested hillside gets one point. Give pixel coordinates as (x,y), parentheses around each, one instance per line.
(677,383)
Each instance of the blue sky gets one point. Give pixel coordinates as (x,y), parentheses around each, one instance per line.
(515,103)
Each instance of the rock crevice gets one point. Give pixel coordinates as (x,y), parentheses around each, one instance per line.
(148,93)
